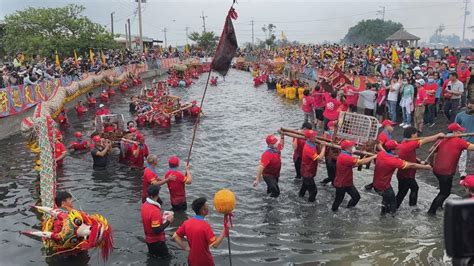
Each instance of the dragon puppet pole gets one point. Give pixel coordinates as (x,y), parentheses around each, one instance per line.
(198,118)
(230,253)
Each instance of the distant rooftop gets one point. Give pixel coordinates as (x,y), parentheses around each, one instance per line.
(402,35)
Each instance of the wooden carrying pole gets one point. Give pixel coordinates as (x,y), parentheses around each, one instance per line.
(449,136)
(323,142)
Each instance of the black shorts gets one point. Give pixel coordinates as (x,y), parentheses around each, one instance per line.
(180,207)
(319,114)
(381,110)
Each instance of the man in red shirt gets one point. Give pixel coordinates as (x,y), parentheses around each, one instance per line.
(307,106)
(331,110)
(446,159)
(318,104)
(419,105)
(385,165)
(270,165)
(352,96)
(298,145)
(199,235)
(139,152)
(406,150)
(177,186)
(194,110)
(344,176)
(60,151)
(430,89)
(153,225)
(150,176)
(309,165)
(382,138)
(102,110)
(80,144)
(330,155)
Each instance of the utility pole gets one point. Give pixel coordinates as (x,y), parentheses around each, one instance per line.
(203,21)
(129,34)
(140,24)
(466,12)
(112,22)
(187,41)
(166,42)
(382,12)
(253,40)
(126,36)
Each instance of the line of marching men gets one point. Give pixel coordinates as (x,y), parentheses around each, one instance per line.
(390,156)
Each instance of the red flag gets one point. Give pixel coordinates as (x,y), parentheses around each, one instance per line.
(227,47)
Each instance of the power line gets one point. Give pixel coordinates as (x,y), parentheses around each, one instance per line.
(203,21)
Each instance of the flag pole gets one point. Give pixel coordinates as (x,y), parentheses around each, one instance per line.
(198,118)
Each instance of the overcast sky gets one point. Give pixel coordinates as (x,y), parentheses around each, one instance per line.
(305,21)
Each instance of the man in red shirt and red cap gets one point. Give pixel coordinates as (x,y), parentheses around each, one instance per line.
(330,155)
(344,175)
(177,186)
(385,165)
(382,138)
(194,110)
(102,110)
(79,144)
(199,235)
(406,150)
(468,183)
(270,165)
(446,159)
(309,165)
(154,223)
(139,152)
(298,145)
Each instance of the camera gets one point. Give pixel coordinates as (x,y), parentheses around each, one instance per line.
(459,229)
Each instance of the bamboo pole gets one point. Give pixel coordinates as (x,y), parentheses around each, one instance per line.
(449,136)
(324,142)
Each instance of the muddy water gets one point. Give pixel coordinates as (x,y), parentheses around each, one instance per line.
(282,231)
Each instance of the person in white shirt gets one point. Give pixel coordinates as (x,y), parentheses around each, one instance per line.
(392,98)
(453,93)
(368,99)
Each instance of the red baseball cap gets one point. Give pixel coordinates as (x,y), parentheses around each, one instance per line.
(468,181)
(132,129)
(271,139)
(387,122)
(173,161)
(309,134)
(391,145)
(96,138)
(332,123)
(455,127)
(139,137)
(78,134)
(345,144)
(194,102)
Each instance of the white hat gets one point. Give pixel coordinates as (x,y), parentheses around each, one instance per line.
(420,81)
(417,68)
(101,105)
(39,72)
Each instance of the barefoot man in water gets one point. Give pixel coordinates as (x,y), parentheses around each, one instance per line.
(270,165)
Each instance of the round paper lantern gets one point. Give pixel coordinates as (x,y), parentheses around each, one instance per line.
(224,201)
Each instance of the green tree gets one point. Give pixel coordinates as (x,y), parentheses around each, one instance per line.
(371,31)
(44,30)
(207,40)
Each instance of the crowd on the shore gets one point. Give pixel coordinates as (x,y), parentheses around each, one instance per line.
(21,69)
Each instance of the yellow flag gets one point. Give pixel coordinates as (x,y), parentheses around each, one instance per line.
(75,56)
(283,35)
(322,54)
(395,59)
(146,49)
(369,52)
(161,50)
(91,56)
(103,58)
(57,59)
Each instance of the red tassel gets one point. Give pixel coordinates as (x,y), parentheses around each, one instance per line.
(228,219)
